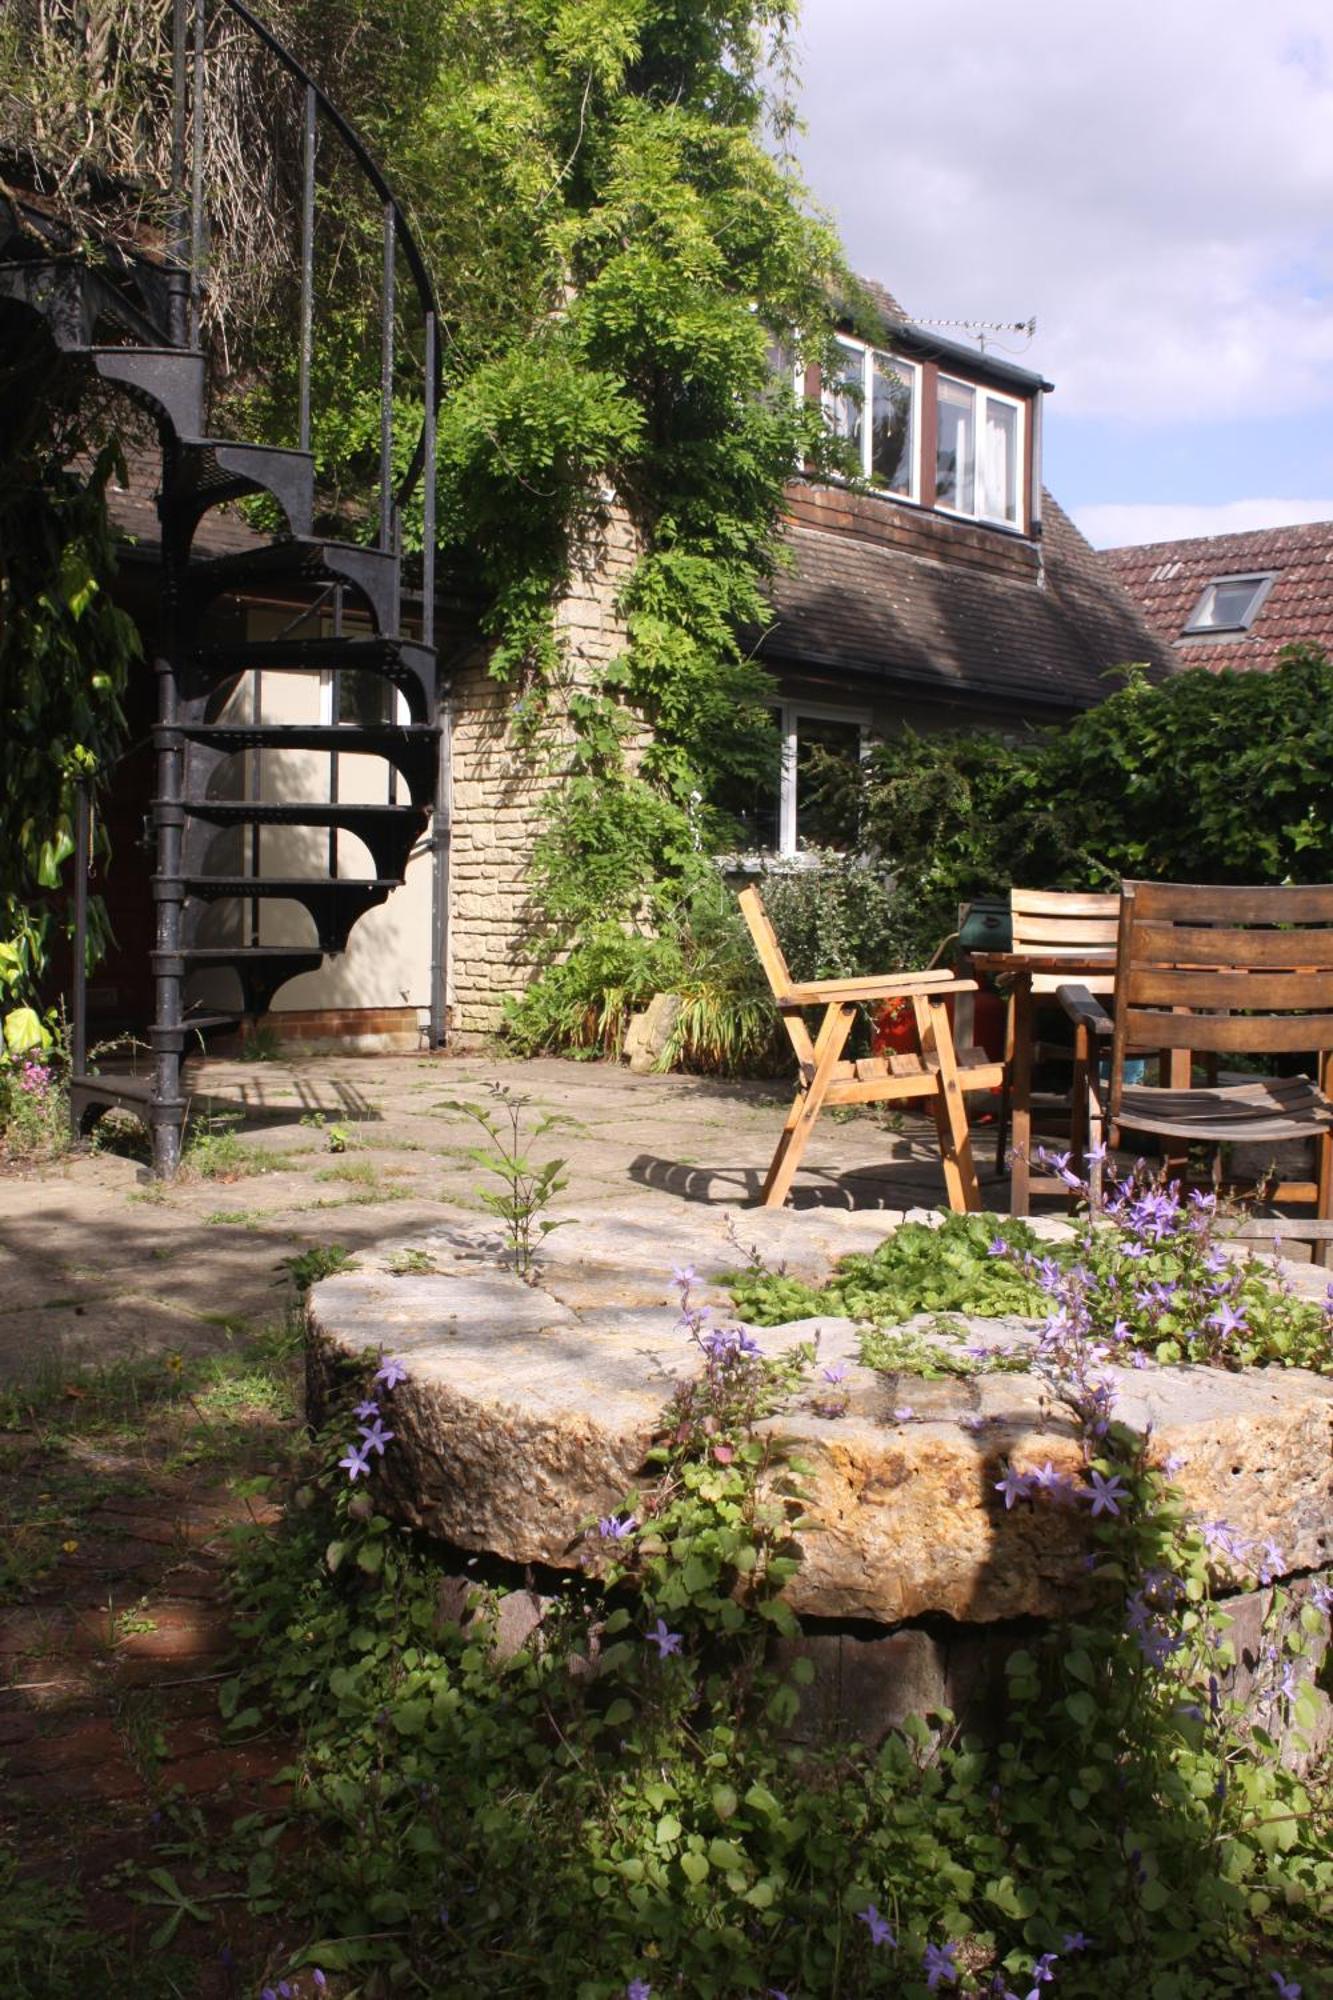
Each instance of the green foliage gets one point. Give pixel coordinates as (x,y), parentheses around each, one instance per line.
(34,1093)
(919,1268)
(583,1003)
(833,920)
(1122,1815)
(1203,778)
(65,650)
(321,1260)
(836,917)
(527,1186)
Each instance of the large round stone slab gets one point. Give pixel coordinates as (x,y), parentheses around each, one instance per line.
(529,1410)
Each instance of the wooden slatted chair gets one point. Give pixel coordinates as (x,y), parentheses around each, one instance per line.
(1046,924)
(1230,972)
(938,1076)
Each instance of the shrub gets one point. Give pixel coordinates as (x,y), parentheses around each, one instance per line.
(1203,778)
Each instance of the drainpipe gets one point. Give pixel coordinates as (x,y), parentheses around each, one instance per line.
(441,829)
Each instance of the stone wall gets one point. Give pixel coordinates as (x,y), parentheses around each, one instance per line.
(503,790)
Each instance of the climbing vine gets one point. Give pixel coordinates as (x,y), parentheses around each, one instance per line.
(65,648)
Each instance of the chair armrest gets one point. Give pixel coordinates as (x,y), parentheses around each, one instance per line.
(1084,1008)
(889,986)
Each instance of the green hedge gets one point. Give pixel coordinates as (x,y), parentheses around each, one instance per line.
(1203,778)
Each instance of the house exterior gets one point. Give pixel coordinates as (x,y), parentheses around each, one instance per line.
(940,588)
(1234,600)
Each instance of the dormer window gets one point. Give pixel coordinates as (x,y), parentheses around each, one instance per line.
(873,404)
(978,452)
(1229,603)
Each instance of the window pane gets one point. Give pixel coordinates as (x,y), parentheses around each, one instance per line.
(781,361)
(844,401)
(999,462)
(362,698)
(955,448)
(754,805)
(1227,606)
(892,427)
(821,816)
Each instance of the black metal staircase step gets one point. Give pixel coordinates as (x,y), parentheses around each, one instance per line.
(336,903)
(406,663)
(168,382)
(207,472)
(260,969)
(72,298)
(410,747)
(390,832)
(299,560)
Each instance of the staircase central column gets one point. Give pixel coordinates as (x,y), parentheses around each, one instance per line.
(167,1110)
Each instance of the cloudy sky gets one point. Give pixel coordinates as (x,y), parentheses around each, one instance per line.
(1153,179)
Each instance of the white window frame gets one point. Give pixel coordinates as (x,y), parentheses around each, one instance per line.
(790,715)
(868,356)
(981,395)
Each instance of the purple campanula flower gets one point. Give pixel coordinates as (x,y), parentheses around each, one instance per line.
(1270,1561)
(1041,1971)
(1014,1486)
(615,1527)
(355,1464)
(374,1437)
(666,1642)
(638,1989)
(729,1343)
(938,1964)
(1074,1941)
(837,1373)
(366,1411)
(391,1372)
(1287,1989)
(878,1929)
(1106,1492)
(1227,1320)
(683,1276)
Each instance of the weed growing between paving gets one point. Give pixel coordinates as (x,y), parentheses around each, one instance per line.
(619,1807)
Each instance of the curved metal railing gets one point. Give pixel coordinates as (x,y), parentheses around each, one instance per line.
(398,239)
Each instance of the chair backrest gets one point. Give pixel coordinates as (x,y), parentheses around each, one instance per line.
(1231,970)
(765,941)
(1065,923)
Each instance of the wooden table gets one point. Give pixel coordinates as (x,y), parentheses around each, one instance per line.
(1017,970)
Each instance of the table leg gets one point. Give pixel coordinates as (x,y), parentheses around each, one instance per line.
(1020,1100)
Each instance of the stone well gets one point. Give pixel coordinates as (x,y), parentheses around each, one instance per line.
(530,1409)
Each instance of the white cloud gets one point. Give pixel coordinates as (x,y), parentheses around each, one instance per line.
(1113,525)
(1153,179)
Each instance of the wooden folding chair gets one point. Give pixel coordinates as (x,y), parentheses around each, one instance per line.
(1061,933)
(939,1075)
(1225,972)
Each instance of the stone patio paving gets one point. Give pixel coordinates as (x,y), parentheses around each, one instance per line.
(96,1263)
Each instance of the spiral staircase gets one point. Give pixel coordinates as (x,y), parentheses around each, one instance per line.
(133,320)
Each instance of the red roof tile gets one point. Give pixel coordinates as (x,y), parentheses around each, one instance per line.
(1167,579)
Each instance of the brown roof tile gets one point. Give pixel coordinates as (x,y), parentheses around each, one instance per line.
(1048,638)
(1166,579)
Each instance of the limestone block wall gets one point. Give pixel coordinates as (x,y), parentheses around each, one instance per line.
(503,789)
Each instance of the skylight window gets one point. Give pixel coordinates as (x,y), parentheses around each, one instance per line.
(1229,604)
